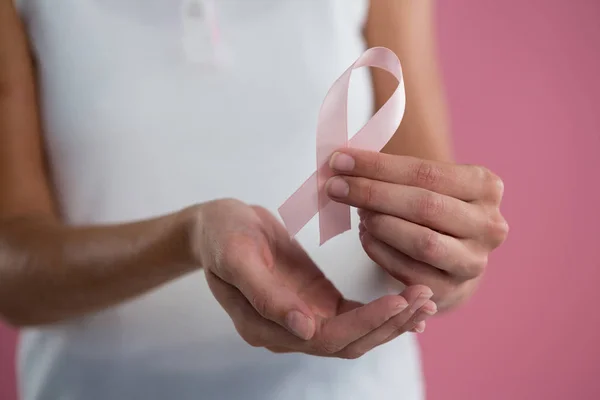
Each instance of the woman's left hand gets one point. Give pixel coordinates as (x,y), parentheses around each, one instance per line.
(425,222)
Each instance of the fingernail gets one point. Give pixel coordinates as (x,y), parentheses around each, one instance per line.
(341,162)
(420,301)
(338,187)
(400,306)
(420,328)
(299,324)
(431,310)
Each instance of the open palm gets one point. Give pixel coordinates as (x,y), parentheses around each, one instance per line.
(278,298)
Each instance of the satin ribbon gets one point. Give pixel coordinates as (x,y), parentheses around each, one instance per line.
(332,134)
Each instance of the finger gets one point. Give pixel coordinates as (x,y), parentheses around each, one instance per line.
(421,307)
(429,309)
(437,211)
(418,298)
(253,328)
(250,267)
(417,321)
(465,182)
(403,268)
(280,350)
(419,328)
(423,244)
(338,332)
(416,325)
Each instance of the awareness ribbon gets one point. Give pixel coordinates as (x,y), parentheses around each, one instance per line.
(332,134)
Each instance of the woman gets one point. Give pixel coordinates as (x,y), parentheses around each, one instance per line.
(134,137)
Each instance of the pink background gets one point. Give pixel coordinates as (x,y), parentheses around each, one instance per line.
(523,81)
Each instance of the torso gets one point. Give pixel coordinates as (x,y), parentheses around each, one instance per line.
(134,128)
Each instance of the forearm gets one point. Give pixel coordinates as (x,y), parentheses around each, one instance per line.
(408,28)
(51,272)
(48,271)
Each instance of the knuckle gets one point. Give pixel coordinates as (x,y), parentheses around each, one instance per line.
(375,164)
(498,187)
(495,186)
(429,248)
(492,184)
(480,265)
(497,230)
(476,267)
(368,191)
(329,347)
(262,302)
(429,206)
(425,174)
(481,173)
(379,167)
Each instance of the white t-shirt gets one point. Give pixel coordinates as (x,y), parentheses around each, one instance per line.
(139,121)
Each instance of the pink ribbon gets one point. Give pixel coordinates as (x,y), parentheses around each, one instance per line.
(332,134)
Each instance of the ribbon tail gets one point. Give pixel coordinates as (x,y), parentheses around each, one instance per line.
(300,207)
(303,205)
(335,220)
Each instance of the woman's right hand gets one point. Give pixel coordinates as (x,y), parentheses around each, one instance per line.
(279,299)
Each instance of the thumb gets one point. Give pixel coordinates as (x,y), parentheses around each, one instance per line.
(279,304)
(252,270)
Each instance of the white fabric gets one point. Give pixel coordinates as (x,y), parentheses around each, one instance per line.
(136,127)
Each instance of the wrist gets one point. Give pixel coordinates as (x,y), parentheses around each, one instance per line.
(189,222)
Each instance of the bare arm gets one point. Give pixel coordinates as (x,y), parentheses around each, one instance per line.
(408,28)
(48,271)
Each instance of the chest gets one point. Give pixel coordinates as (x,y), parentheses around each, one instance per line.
(128,115)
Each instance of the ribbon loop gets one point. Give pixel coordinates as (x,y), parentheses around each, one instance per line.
(332,134)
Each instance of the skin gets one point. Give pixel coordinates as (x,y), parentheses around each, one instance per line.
(424,219)
(429,222)
(275,295)
(408,28)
